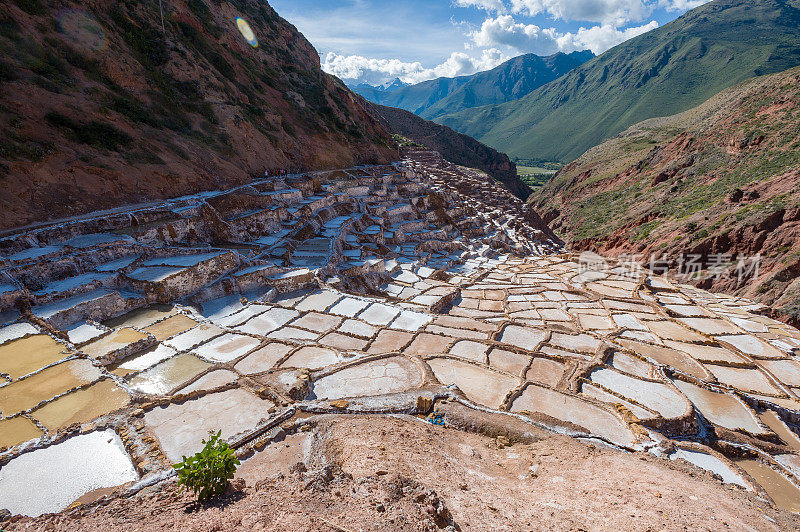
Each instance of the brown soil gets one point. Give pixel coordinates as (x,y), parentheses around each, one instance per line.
(383,473)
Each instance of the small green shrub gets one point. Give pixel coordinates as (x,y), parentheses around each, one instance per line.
(207,472)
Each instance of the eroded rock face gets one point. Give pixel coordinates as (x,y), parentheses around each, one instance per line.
(415,288)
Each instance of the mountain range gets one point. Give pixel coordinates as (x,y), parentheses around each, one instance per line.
(508,81)
(375,92)
(662,72)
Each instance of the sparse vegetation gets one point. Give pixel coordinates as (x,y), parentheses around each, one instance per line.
(32,7)
(403,141)
(7,72)
(93,133)
(535,176)
(207,473)
(14,147)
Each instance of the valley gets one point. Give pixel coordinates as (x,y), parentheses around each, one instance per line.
(662,72)
(507,291)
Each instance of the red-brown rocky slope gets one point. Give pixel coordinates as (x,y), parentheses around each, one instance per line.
(106,103)
(720,179)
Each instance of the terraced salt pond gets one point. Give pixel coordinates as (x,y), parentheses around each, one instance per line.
(605,396)
(312,358)
(82,405)
(168,375)
(18,430)
(655,396)
(785,494)
(721,409)
(480,385)
(711,463)
(21,357)
(48,383)
(749,380)
(64,472)
(581,413)
(385,376)
(396,311)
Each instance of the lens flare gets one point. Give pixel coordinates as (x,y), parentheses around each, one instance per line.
(247,32)
(82,28)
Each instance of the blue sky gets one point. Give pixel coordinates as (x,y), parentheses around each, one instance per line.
(375,41)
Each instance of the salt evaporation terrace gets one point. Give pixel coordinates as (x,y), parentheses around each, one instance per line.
(126,336)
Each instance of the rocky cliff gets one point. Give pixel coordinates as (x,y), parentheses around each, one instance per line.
(107,103)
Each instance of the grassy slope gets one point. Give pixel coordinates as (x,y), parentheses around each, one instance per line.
(509,81)
(665,71)
(719,178)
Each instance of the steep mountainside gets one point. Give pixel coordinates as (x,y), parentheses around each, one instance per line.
(665,71)
(509,81)
(455,147)
(101,105)
(723,178)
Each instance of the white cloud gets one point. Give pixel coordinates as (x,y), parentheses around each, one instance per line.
(497,6)
(503,30)
(616,12)
(504,33)
(359,69)
(598,39)
(494,35)
(605,11)
(681,5)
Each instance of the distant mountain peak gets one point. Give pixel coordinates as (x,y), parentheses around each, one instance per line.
(394,85)
(387,86)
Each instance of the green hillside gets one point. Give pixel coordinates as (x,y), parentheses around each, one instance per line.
(665,71)
(509,81)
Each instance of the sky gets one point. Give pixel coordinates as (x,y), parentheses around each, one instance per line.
(371,41)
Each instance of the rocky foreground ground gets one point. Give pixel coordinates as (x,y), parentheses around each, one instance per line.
(399,473)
